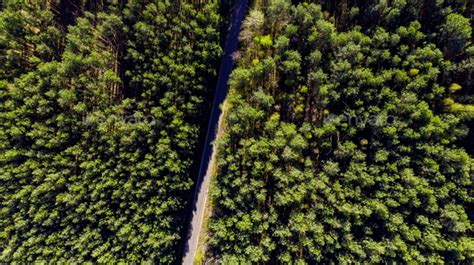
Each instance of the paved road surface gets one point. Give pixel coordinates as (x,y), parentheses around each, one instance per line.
(202,184)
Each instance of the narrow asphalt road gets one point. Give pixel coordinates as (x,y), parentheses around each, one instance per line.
(202,184)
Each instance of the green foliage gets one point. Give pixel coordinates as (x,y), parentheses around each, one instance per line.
(28,36)
(457,33)
(265,41)
(199,258)
(413,72)
(99,126)
(454,87)
(349,148)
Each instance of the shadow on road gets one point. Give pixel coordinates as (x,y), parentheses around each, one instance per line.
(222,88)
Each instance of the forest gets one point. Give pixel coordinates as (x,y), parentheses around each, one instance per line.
(101,107)
(348,135)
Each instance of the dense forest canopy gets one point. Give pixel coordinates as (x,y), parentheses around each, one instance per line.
(348,136)
(101,107)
